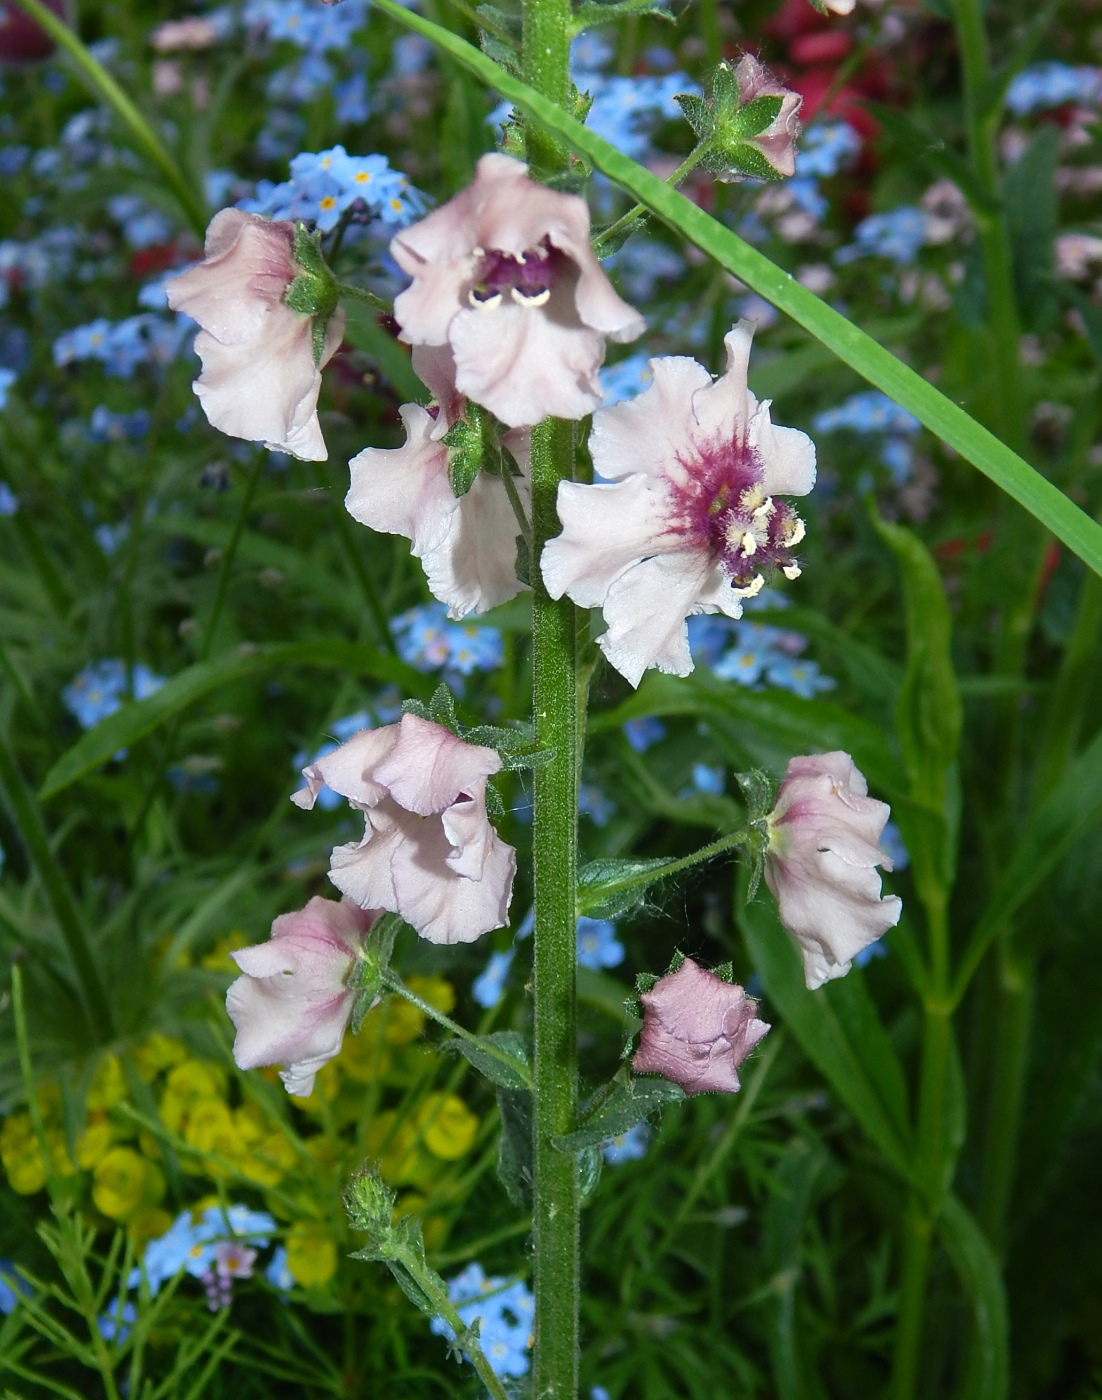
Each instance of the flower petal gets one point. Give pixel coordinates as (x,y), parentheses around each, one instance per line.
(405,490)
(606,530)
(649,433)
(429,767)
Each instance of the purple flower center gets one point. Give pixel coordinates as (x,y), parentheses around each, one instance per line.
(721,505)
(525,278)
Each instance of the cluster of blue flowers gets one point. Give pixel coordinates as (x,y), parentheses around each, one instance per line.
(7,379)
(386,708)
(314,28)
(428,639)
(327,184)
(190,1246)
(597,944)
(897,235)
(756,655)
(826,147)
(872,413)
(101,687)
(142,225)
(121,346)
(1045,85)
(9,502)
(625,109)
(504,1312)
(34,264)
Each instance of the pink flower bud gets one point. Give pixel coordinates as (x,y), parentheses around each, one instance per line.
(697,1030)
(293,1003)
(260,380)
(821,863)
(777,142)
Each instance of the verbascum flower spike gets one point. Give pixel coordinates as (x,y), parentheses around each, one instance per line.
(269,323)
(429,852)
(293,1003)
(504,274)
(689,520)
(697,1030)
(821,863)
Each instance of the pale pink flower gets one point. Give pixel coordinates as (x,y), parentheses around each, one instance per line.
(821,863)
(429,852)
(777,142)
(505,275)
(466,544)
(194,32)
(233,1260)
(697,1030)
(689,517)
(260,380)
(293,1003)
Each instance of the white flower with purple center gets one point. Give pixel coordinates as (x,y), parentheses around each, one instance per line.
(690,520)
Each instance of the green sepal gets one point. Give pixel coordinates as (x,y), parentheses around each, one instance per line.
(645,982)
(495,803)
(580,102)
(757,791)
(739,161)
(442,708)
(500,52)
(725,972)
(467,440)
(698,113)
(753,119)
(365,1000)
(314,291)
(370,967)
(725,92)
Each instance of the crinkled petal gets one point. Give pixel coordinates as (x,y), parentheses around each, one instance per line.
(363,870)
(348,770)
(607,529)
(722,410)
(445,907)
(468,829)
(429,767)
(434,365)
(405,490)
(645,610)
(787,455)
(525,365)
(646,435)
(473,566)
(247,268)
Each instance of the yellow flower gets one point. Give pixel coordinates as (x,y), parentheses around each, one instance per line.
(123,1182)
(311,1254)
(108,1085)
(365,1057)
(58,1147)
(448,1126)
(402,1159)
(269,1162)
(21,1155)
(188,1084)
(94,1143)
(158,1053)
(210,1128)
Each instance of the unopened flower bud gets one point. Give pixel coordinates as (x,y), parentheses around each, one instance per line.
(697,1030)
(369,1201)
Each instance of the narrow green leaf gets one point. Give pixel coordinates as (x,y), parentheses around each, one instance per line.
(498,1071)
(928,712)
(944,418)
(141,717)
(628,1103)
(977,1268)
(839,1030)
(1048,834)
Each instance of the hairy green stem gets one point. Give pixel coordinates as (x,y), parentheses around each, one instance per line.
(593,898)
(687,166)
(102,83)
(32,831)
(556,1204)
(548,27)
